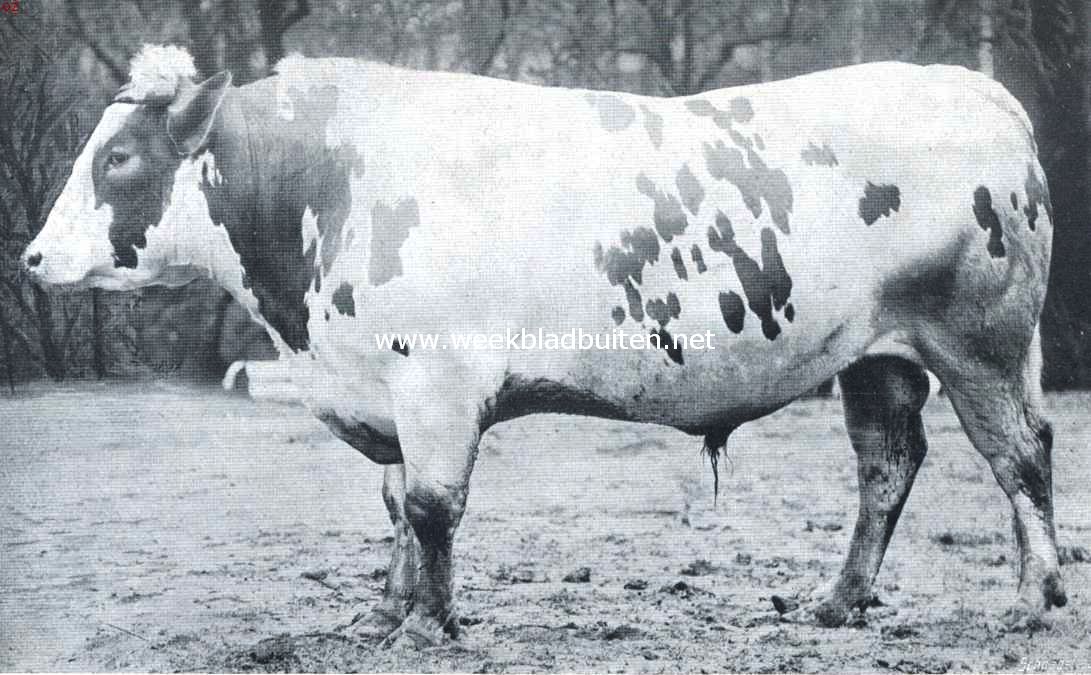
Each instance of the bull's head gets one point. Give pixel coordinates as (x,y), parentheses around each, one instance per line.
(131,214)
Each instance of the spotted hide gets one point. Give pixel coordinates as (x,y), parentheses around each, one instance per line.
(871,222)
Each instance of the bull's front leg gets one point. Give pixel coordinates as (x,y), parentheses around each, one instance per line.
(401,576)
(439,429)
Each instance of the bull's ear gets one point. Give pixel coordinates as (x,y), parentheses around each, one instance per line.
(192,113)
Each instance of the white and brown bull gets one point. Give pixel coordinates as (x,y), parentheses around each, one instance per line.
(870,222)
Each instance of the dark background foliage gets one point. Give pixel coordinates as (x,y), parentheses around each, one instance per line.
(61,61)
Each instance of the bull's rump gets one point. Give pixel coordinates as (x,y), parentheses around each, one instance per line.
(517,186)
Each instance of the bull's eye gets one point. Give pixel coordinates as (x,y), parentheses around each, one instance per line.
(116,158)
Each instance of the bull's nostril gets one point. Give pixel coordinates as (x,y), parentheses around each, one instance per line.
(34,260)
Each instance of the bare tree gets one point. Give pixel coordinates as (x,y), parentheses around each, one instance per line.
(115,66)
(34,152)
(221,34)
(1059,33)
(690,42)
(275,18)
(861,9)
(9,362)
(98,335)
(486,29)
(985,62)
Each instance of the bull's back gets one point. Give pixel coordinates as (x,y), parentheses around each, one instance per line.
(519,170)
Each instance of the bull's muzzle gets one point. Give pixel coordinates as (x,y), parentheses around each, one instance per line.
(32,261)
(41,269)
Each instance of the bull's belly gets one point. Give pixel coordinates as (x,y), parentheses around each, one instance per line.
(738,380)
(713,389)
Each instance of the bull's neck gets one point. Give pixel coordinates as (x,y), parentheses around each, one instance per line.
(275,170)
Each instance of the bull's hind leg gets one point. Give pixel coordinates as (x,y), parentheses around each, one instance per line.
(401,576)
(1000,409)
(882,397)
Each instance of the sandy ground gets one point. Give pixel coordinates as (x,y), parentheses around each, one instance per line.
(155,527)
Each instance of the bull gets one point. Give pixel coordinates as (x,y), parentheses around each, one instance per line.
(873,222)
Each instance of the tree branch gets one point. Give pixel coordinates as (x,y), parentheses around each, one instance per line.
(69,328)
(7,222)
(23,177)
(275,20)
(687,46)
(302,10)
(9,21)
(142,8)
(119,73)
(727,49)
(397,29)
(27,346)
(938,13)
(489,59)
(682,8)
(7,352)
(17,294)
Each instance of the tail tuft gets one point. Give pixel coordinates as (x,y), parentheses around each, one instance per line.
(713,447)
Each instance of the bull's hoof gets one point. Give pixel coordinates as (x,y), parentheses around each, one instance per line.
(1030,611)
(1027,616)
(784,605)
(1023,617)
(420,632)
(379,621)
(826,614)
(1053,591)
(830,612)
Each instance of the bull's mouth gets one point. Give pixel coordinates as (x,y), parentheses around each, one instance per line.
(104,282)
(70,286)
(172,277)
(87,283)
(44,280)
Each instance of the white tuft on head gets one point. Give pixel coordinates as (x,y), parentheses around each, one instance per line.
(156,70)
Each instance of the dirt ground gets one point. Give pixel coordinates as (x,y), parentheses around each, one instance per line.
(158,528)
